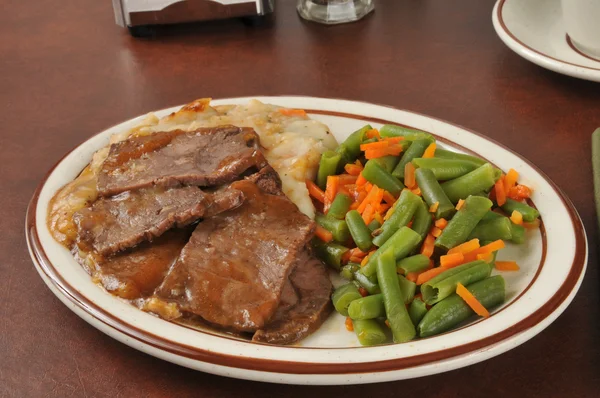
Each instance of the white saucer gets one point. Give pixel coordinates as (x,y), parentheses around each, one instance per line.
(534,29)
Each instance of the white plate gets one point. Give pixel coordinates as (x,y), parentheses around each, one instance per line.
(553,264)
(534,29)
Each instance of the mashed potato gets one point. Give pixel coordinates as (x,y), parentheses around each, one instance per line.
(292,144)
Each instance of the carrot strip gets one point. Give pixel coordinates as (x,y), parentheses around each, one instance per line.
(494,246)
(435,231)
(370,198)
(361,180)
(356,252)
(368,186)
(353,169)
(441,223)
(365,260)
(510,180)
(331,187)
(516,217)
(292,112)
(487,249)
(372,146)
(427,248)
(323,234)
(315,191)
(378,217)
(347,256)
(433,208)
(466,247)
(471,301)
(412,276)
(354,259)
(367,215)
(349,324)
(507,266)
(394,140)
(452,260)
(430,151)
(487,257)
(460,204)
(499,190)
(347,179)
(373,133)
(394,150)
(519,192)
(427,275)
(416,191)
(409,175)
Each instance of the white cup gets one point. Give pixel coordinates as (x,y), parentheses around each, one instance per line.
(582,20)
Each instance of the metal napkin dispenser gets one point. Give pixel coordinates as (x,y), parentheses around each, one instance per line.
(133,13)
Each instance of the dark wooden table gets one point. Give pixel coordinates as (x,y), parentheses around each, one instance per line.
(67,72)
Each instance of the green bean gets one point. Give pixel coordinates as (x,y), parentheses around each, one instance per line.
(518,233)
(388,162)
(498,228)
(331,253)
(529,213)
(351,146)
(339,207)
(390,130)
(327,166)
(417,310)
(338,228)
(451,311)
(445,169)
(360,233)
(369,332)
(348,271)
(443,285)
(464,221)
(373,225)
(446,154)
(397,315)
(369,283)
(471,183)
(497,174)
(402,243)
(432,192)
(416,150)
(403,210)
(416,263)
(343,296)
(369,307)
(375,174)
(422,220)
(491,215)
(408,289)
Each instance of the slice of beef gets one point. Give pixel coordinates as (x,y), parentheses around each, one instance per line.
(204,157)
(113,224)
(296,319)
(233,270)
(267,180)
(137,272)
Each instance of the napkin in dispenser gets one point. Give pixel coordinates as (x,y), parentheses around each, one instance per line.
(144,13)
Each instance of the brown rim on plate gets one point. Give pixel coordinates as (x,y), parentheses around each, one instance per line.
(577,50)
(278,366)
(512,36)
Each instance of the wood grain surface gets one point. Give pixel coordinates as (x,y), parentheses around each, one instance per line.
(67,71)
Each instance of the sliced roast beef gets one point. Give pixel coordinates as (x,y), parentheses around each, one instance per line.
(267,180)
(113,224)
(300,313)
(233,270)
(204,157)
(137,272)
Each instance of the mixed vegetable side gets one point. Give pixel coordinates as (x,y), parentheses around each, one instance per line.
(415,230)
